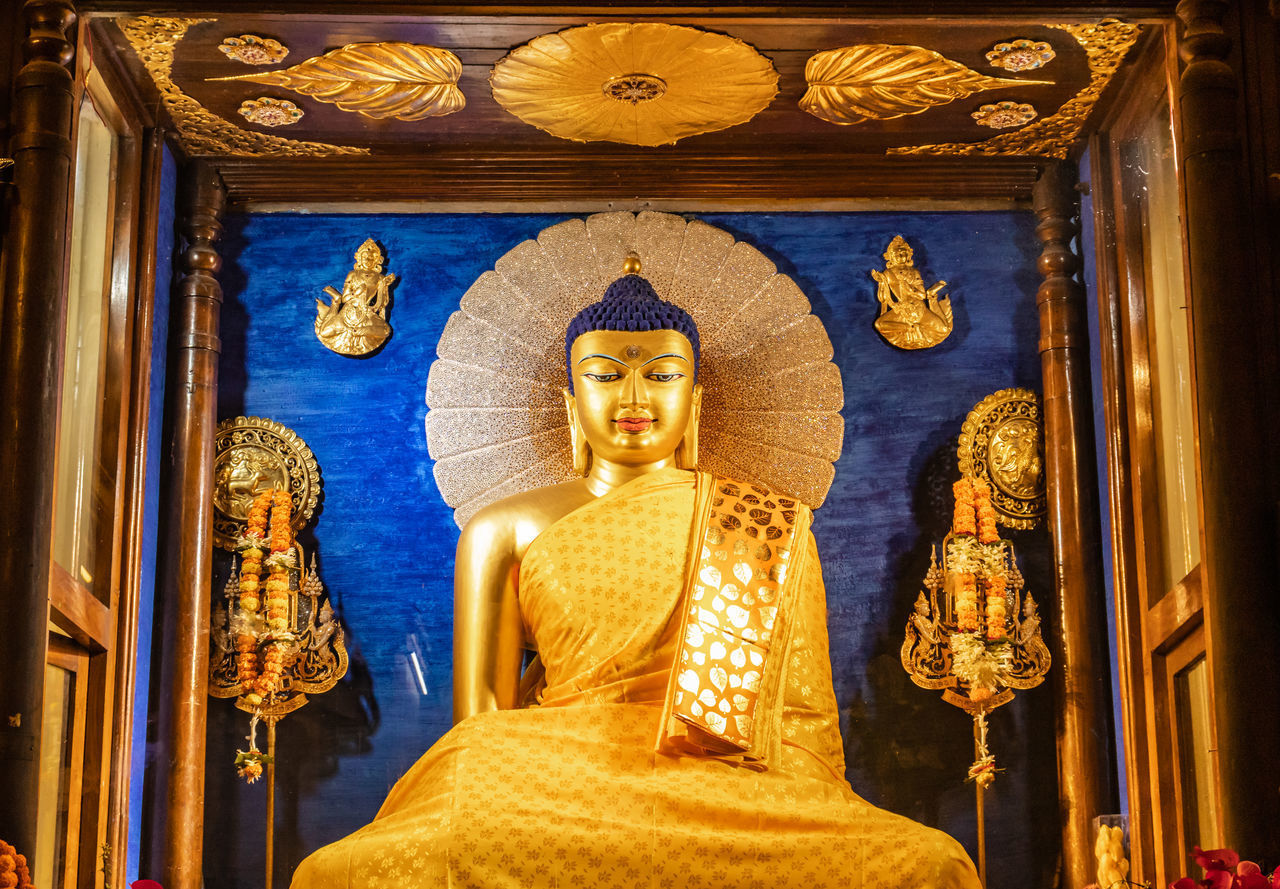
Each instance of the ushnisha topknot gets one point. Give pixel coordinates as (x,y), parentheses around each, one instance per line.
(630,303)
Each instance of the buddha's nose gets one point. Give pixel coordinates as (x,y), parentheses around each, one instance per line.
(634,392)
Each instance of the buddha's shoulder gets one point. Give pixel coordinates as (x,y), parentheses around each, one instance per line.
(513,522)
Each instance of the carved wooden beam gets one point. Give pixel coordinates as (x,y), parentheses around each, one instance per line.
(1081,669)
(186,563)
(31,346)
(1226,293)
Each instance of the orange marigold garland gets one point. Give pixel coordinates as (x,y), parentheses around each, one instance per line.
(976,557)
(264,642)
(986,513)
(13,869)
(964,519)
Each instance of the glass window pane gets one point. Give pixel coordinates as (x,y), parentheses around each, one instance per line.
(75,532)
(49,864)
(1199,790)
(1151,177)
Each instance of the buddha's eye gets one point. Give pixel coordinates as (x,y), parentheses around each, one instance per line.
(665,377)
(603,378)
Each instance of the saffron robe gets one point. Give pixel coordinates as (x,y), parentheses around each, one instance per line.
(585,790)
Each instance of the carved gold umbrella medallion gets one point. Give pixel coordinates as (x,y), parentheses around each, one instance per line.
(635,83)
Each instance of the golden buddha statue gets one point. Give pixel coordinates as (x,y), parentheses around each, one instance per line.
(684,729)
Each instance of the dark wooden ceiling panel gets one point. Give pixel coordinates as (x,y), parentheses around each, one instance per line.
(484,153)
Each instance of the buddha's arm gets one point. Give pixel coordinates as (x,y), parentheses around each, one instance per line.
(487,632)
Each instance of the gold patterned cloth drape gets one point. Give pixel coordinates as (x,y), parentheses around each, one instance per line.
(581,790)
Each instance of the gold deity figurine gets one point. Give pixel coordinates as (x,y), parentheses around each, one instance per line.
(911,316)
(355,321)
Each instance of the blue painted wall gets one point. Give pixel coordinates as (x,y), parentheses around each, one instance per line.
(150,509)
(385,539)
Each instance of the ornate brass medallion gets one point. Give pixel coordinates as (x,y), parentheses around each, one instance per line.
(355,321)
(1002,442)
(252,455)
(911,316)
(644,83)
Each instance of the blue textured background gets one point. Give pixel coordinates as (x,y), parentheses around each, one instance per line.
(385,539)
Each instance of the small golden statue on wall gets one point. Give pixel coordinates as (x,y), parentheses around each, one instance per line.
(355,322)
(911,316)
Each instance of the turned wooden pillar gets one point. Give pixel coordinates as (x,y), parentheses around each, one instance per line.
(31,346)
(187,519)
(1078,637)
(1226,293)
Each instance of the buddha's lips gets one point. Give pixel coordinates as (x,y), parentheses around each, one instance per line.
(634,424)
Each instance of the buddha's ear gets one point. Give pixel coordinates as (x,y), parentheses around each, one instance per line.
(687,450)
(577,438)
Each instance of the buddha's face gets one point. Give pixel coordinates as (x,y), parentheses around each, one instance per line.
(634,392)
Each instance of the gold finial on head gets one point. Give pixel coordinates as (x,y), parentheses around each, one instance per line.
(631,265)
(369,256)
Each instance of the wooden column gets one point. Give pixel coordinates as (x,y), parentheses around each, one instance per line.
(1081,667)
(1238,513)
(31,346)
(187,518)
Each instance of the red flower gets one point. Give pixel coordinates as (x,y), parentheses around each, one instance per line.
(1217,859)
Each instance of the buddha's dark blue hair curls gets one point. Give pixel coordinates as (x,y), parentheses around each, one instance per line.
(630,303)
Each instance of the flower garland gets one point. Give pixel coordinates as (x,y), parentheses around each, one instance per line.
(13,869)
(262,624)
(978,560)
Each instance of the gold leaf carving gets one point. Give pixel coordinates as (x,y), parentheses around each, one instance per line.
(1105,43)
(405,81)
(643,83)
(200,131)
(880,81)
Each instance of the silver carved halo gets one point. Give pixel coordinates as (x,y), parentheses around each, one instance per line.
(496,423)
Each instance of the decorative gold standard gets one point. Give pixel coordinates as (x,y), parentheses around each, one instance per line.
(253,455)
(880,81)
(911,316)
(274,638)
(320,656)
(354,322)
(679,725)
(638,84)
(1105,43)
(974,634)
(404,81)
(1001,443)
(496,424)
(200,131)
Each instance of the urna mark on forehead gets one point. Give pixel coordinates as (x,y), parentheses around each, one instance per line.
(631,304)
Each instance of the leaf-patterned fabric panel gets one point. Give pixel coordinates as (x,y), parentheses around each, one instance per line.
(733,609)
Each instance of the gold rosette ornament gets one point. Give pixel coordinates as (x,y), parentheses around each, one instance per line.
(497,424)
(638,84)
